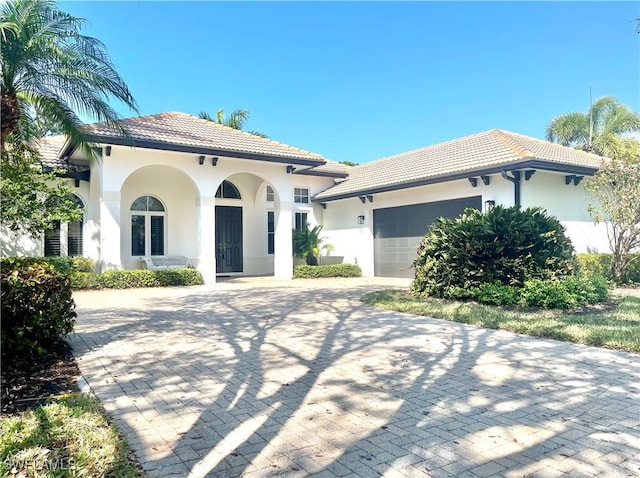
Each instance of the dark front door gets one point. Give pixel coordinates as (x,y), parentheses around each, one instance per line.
(228,239)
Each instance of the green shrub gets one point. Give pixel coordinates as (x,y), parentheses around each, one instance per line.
(567,293)
(129,279)
(505,245)
(64,265)
(600,264)
(70,264)
(549,294)
(172,277)
(495,293)
(333,270)
(37,307)
(587,290)
(85,280)
(118,279)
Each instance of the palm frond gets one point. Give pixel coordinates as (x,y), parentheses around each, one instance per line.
(258,133)
(205,116)
(236,119)
(58,70)
(568,130)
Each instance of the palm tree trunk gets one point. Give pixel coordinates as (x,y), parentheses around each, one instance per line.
(10,114)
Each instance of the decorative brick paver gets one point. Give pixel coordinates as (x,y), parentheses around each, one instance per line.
(262,377)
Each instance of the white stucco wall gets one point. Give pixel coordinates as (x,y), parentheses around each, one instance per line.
(178,194)
(355,242)
(568,203)
(17,243)
(187,190)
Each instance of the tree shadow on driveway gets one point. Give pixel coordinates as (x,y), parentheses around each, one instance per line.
(301,381)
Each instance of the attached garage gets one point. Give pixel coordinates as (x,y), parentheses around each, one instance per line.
(397,232)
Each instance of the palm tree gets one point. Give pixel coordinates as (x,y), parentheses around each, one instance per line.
(308,244)
(235,120)
(601,130)
(53,72)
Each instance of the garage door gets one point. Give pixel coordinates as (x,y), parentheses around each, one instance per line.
(397,232)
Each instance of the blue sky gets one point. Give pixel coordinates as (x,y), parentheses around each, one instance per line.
(360,81)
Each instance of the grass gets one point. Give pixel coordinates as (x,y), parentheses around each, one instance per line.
(616,326)
(66,438)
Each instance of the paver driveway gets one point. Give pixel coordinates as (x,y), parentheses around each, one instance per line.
(265,378)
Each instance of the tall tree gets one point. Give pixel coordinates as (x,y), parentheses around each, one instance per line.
(616,187)
(600,130)
(236,120)
(50,70)
(50,75)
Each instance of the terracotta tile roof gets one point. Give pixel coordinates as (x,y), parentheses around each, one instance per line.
(50,147)
(492,149)
(181,131)
(330,168)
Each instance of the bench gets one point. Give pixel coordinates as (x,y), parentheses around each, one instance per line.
(161,263)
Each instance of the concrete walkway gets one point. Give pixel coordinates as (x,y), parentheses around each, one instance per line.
(263,378)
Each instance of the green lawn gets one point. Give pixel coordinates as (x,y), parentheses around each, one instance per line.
(615,325)
(66,438)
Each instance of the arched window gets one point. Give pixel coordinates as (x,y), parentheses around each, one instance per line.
(65,235)
(228,190)
(147,227)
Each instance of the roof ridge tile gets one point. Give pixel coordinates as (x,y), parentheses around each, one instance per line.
(507,139)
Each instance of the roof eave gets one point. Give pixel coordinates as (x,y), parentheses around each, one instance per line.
(328,174)
(528,163)
(159,145)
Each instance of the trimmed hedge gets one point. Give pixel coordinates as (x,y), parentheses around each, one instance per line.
(600,264)
(119,279)
(71,264)
(37,307)
(333,270)
(61,264)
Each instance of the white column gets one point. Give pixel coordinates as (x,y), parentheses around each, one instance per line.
(92,218)
(110,234)
(206,210)
(283,257)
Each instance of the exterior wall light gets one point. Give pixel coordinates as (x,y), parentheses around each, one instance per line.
(361,219)
(489,205)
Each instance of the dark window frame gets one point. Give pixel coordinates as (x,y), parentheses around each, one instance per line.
(271,232)
(300,219)
(148,225)
(270,194)
(72,231)
(301,195)
(228,190)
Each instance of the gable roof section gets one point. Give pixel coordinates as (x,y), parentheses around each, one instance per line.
(482,153)
(185,133)
(50,148)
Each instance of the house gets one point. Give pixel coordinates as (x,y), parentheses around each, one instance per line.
(229,200)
